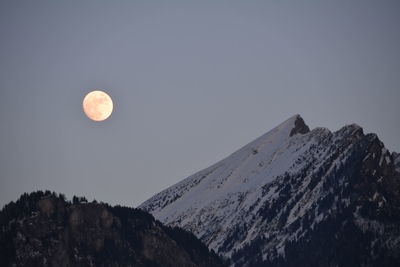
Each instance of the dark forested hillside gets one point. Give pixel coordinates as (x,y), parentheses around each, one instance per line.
(43,229)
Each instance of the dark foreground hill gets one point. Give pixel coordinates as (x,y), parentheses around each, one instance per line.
(42,229)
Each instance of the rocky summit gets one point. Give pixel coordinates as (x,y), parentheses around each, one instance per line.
(43,229)
(294,197)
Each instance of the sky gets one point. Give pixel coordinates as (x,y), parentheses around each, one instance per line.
(191,82)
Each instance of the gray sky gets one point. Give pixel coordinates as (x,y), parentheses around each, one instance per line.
(191,81)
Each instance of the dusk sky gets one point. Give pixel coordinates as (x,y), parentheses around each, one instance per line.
(191,81)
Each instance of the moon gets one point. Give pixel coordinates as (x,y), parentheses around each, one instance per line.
(97,105)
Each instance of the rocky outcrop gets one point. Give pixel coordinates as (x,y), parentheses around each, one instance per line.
(300,126)
(396,158)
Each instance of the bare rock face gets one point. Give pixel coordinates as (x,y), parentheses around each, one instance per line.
(42,229)
(46,206)
(396,158)
(300,126)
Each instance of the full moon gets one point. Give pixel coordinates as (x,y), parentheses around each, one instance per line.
(97,105)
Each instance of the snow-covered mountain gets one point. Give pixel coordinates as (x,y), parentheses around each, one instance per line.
(294,197)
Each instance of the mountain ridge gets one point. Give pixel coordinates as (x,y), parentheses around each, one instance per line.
(274,193)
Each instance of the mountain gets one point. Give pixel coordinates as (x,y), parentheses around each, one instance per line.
(42,229)
(294,197)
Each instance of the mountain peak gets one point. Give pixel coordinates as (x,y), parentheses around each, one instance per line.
(292,126)
(299,126)
(284,193)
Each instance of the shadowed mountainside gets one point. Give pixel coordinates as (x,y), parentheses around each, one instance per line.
(42,229)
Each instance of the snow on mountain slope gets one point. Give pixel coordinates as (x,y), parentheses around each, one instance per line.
(259,203)
(229,175)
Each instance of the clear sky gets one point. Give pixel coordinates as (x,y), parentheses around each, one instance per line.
(191,81)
